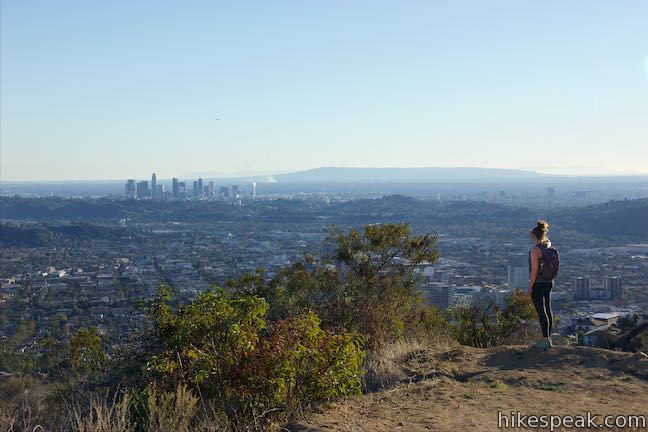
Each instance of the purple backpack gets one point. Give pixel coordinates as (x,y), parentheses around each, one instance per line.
(551,262)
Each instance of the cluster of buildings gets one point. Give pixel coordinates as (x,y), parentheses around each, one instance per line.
(614,330)
(109,283)
(180,190)
(612,288)
(71,298)
(450,283)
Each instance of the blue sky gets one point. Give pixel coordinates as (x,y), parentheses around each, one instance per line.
(118,89)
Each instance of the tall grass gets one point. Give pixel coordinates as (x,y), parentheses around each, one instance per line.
(22,408)
(170,411)
(103,415)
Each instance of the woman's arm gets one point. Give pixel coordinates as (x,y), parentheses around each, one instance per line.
(535,265)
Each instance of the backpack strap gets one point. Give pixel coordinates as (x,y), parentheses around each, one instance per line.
(542,252)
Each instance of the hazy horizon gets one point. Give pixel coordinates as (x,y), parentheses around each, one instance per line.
(117,90)
(570,172)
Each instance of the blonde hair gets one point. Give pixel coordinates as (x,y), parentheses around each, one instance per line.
(541,230)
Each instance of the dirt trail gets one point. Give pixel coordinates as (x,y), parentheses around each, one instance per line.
(463,389)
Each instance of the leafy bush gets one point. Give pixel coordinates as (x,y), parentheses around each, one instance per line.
(301,362)
(207,341)
(227,350)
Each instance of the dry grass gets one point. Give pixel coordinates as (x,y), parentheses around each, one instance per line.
(385,366)
(177,411)
(170,411)
(104,415)
(500,385)
(21,404)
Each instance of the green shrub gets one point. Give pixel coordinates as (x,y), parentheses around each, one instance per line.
(208,341)
(227,350)
(300,363)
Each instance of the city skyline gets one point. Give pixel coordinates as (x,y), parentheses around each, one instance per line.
(113,90)
(157,191)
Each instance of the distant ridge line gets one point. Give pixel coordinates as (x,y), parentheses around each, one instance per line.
(396,174)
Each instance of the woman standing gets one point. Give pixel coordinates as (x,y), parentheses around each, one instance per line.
(539,284)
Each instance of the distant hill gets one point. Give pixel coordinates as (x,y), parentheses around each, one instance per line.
(413,175)
(622,220)
(37,235)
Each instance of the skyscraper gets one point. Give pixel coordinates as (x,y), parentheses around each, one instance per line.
(154,189)
(581,287)
(614,287)
(175,188)
(253,191)
(182,190)
(201,187)
(236,192)
(142,190)
(130,189)
(439,294)
(518,271)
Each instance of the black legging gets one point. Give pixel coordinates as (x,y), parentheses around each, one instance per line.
(542,301)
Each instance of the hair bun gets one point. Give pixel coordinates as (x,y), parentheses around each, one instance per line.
(543,225)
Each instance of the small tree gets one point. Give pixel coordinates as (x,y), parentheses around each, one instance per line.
(367,284)
(86,352)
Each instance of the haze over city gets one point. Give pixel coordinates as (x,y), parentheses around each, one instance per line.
(113,90)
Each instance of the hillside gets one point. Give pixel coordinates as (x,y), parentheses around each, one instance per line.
(463,388)
(620,220)
(38,235)
(612,219)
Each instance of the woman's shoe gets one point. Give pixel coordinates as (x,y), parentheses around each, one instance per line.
(542,343)
(537,344)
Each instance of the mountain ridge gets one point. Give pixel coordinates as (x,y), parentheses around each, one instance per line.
(334,174)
